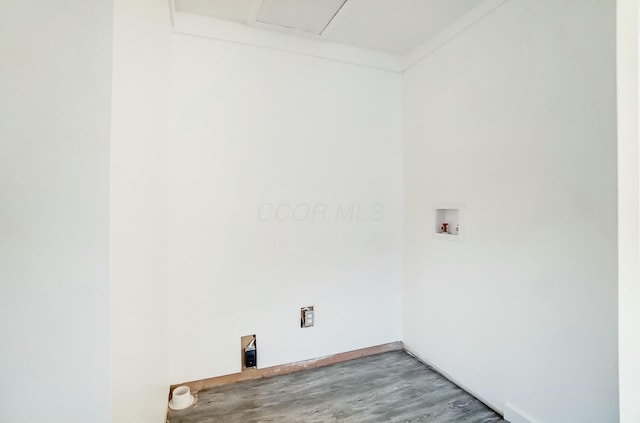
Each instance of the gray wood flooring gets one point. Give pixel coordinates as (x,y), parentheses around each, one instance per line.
(391,387)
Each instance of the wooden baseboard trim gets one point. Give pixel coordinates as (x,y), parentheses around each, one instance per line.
(249,374)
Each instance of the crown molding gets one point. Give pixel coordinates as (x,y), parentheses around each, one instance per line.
(221,30)
(319,47)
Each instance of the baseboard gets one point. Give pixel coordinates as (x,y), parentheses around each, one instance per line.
(249,374)
(452,380)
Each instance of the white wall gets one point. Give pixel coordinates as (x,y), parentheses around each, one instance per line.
(138,281)
(628,211)
(254,127)
(54,178)
(515,118)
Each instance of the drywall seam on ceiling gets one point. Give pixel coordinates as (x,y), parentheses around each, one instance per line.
(255,22)
(205,27)
(451,32)
(340,14)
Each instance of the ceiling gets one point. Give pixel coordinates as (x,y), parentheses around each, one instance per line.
(388,26)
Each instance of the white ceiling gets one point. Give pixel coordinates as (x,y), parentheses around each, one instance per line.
(311,16)
(388,26)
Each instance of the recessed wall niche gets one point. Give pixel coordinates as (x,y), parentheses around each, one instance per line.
(249,352)
(448,222)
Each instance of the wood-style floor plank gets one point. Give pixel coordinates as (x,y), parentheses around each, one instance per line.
(391,387)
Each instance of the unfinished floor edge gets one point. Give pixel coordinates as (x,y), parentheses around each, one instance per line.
(451,379)
(389,387)
(249,374)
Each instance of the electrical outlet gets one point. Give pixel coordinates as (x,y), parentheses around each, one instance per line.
(306,317)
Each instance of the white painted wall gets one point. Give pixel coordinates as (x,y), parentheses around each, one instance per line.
(515,118)
(517,115)
(256,127)
(138,281)
(628,211)
(54,179)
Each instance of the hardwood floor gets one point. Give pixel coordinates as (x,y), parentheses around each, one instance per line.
(391,387)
